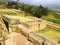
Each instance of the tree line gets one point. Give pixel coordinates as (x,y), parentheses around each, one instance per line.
(37,11)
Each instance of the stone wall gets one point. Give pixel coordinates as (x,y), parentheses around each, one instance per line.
(2,28)
(35,25)
(32,38)
(43,24)
(52,26)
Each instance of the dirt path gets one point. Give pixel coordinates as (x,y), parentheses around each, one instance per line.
(15,39)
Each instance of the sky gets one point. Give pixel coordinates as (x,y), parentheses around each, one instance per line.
(46,3)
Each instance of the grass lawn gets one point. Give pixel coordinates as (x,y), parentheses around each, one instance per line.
(51,34)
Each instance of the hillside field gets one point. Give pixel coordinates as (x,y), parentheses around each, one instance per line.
(51,18)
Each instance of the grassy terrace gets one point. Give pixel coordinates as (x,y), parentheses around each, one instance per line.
(56,25)
(51,18)
(19,14)
(57,21)
(23,19)
(8,11)
(14,12)
(51,34)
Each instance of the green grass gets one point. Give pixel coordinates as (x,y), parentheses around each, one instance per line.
(11,12)
(14,12)
(34,8)
(7,11)
(51,34)
(51,18)
(21,15)
(23,19)
(54,20)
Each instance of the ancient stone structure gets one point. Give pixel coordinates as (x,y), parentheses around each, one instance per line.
(35,25)
(2,27)
(29,37)
(53,26)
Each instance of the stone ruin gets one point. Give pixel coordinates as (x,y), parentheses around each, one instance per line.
(26,30)
(35,25)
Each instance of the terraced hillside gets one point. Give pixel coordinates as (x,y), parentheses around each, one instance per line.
(13,12)
(23,13)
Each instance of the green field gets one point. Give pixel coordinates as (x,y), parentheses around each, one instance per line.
(51,18)
(51,34)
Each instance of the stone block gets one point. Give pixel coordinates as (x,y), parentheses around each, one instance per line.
(23,30)
(10,19)
(49,42)
(36,39)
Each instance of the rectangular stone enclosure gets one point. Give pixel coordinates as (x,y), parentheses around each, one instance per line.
(35,25)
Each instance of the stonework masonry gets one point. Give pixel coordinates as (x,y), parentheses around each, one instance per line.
(35,25)
(28,35)
(53,26)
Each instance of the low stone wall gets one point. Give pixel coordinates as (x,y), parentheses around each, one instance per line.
(53,27)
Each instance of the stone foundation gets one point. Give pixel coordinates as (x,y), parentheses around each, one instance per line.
(35,25)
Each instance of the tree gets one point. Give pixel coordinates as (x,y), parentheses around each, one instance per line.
(12,4)
(41,11)
(45,11)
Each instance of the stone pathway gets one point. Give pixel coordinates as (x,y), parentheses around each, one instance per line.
(14,39)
